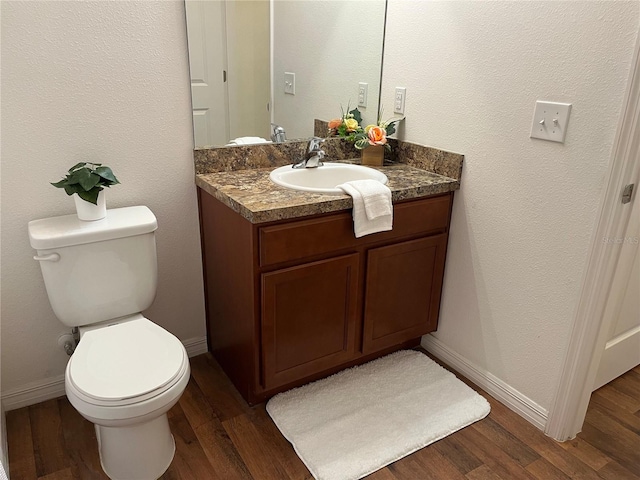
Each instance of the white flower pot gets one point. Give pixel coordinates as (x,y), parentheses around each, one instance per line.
(89,212)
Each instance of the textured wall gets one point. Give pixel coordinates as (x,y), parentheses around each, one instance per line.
(105,82)
(524,217)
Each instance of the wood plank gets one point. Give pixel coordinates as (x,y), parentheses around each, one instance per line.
(541,444)
(407,467)
(616,441)
(436,466)
(382,474)
(506,441)
(585,452)
(619,398)
(195,406)
(22,462)
(223,458)
(622,416)
(190,460)
(483,472)
(490,454)
(254,448)
(48,440)
(221,394)
(543,470)
(628,384)
(614,471)
(66,474)
(282,450)
(457,454)
(223,455)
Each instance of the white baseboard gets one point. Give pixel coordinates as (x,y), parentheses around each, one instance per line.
(53,387)
(196,346)
(33,392)
(506,394)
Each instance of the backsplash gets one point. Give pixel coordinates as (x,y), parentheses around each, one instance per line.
(271,155)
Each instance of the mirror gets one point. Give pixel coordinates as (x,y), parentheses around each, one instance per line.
(242,54)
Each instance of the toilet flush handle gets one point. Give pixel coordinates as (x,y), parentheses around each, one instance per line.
(52,257)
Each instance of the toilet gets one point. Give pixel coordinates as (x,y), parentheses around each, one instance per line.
(126,372)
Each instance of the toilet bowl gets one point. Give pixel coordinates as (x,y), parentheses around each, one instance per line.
(123,377)
(126,372)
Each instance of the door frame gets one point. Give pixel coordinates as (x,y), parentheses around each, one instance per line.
(591,327)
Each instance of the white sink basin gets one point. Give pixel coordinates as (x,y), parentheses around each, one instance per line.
(324,179)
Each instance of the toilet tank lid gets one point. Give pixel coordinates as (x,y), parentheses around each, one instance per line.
(67,230)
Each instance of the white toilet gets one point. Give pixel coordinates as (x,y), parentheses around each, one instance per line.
(126,372)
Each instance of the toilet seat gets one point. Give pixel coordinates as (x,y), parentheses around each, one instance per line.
(126,363)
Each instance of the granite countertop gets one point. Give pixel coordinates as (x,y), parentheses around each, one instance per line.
(251,193)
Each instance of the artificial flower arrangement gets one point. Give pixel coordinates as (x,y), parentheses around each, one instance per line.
(348,126)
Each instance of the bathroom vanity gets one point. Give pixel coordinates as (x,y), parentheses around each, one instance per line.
(293,296)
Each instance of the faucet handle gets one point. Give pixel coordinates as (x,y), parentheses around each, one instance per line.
(278,134)
(314,144)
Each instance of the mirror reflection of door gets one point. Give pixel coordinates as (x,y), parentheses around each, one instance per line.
(230,69)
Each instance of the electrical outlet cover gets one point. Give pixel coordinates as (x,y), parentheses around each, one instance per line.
(550,120)
(363,89)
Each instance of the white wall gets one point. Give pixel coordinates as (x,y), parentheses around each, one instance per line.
(330,46)
(523,220)
(106,82)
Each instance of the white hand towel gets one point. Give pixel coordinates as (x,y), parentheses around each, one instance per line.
(247,141)
(376,196)
(362,223)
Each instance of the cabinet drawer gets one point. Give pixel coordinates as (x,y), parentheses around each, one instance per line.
(305,238)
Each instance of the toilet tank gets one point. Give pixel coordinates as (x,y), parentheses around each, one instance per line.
(100,270)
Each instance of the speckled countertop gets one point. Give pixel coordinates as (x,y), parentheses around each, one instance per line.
(251,193)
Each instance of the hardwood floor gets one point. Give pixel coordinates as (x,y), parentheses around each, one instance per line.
(219,437)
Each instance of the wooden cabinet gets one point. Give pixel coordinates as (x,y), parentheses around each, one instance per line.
(292,301)
(403,287)
(308,319)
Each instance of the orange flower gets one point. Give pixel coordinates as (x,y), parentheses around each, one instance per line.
(335,123)
(377,135)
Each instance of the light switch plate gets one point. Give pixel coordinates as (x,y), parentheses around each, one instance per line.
(290,83)
(550,120)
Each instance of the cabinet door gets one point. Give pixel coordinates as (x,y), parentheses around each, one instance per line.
(403,286)
(308,319)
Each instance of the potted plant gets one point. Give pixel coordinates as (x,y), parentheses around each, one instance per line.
(87,181)
(370,140)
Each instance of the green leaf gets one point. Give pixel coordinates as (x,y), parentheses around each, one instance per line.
(76,166)
(86,178)
(91,196)
(74,188)
(361,143)
(391,128)
(356,115)
(107,174)
(61,184)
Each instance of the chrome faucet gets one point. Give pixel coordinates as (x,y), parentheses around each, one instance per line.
(278,135)
(314,155)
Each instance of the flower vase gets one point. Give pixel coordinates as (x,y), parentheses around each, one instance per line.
(373,155)
(87,211)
